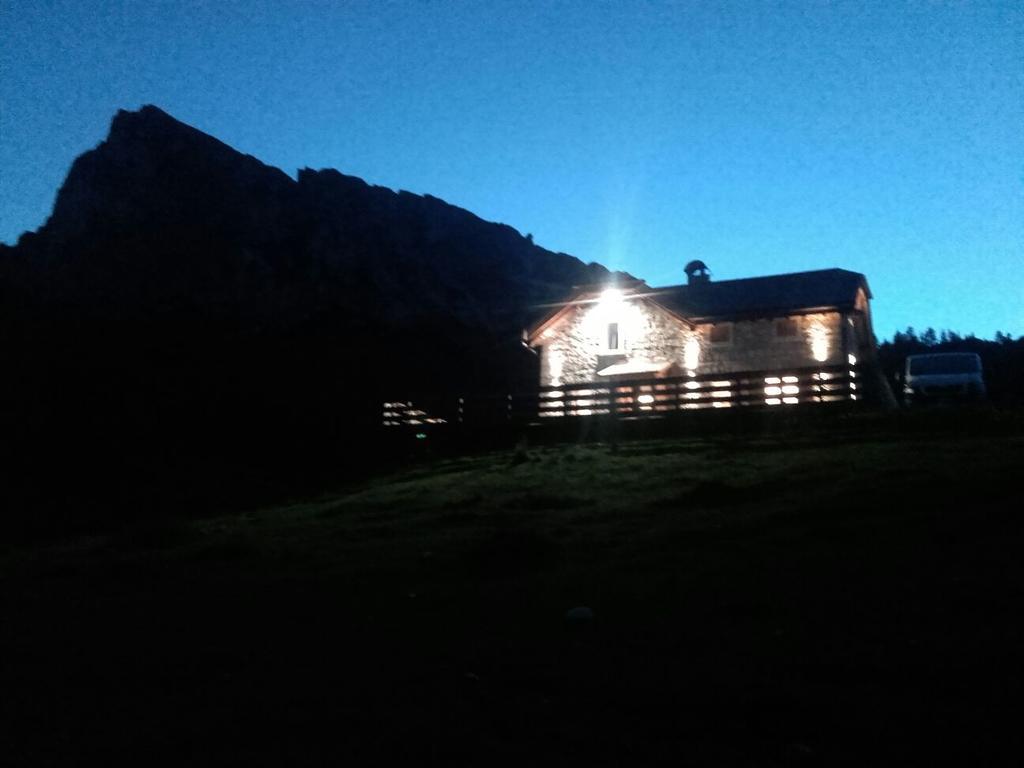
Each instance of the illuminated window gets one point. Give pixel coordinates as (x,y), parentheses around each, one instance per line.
(786,328)
(721,333)
(613,335)
(781,385)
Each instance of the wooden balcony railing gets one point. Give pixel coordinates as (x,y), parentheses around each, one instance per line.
(637,398)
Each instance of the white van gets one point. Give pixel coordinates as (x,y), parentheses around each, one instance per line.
(943,376)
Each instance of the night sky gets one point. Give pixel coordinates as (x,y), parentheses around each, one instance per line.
(760,137)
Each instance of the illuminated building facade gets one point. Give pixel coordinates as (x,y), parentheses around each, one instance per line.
(771,324)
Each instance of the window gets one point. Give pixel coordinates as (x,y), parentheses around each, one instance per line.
(613,335)
(721,333)
(786,328)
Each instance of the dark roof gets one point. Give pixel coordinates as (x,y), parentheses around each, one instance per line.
(764,295)
(735,299)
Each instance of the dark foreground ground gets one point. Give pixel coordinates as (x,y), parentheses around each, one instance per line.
(756,602)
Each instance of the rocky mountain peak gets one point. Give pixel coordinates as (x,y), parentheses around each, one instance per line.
(160,214)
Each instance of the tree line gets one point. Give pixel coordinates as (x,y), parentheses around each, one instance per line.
(1002,358)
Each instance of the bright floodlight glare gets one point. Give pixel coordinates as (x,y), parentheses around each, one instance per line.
(611,296)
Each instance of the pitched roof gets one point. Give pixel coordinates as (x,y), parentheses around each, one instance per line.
(734,299)
(764,295)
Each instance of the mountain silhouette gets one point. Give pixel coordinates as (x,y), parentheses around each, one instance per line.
(161,213)
(203,308)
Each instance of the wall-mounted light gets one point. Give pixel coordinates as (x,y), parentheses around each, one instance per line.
(611,297)
(613,322)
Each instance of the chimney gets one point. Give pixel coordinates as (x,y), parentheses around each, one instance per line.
(697,273)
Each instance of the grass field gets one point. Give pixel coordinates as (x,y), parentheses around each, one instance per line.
(755,602)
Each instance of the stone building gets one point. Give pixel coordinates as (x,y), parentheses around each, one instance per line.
(777,323)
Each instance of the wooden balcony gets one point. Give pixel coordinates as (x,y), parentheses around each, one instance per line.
(646,398)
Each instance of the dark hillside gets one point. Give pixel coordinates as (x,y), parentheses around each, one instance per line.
(188,312)
(849,597)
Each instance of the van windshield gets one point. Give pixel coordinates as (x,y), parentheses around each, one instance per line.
(927,365)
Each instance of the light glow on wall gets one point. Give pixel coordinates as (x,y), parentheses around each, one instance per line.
(691,354)
(613,307)
(555,368)
(818,337)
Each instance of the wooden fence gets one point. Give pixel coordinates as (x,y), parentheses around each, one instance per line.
(635,398)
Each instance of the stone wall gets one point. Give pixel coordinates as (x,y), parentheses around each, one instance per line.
(571,349)
(754,344)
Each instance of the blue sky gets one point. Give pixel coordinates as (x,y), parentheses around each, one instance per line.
(761,137)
